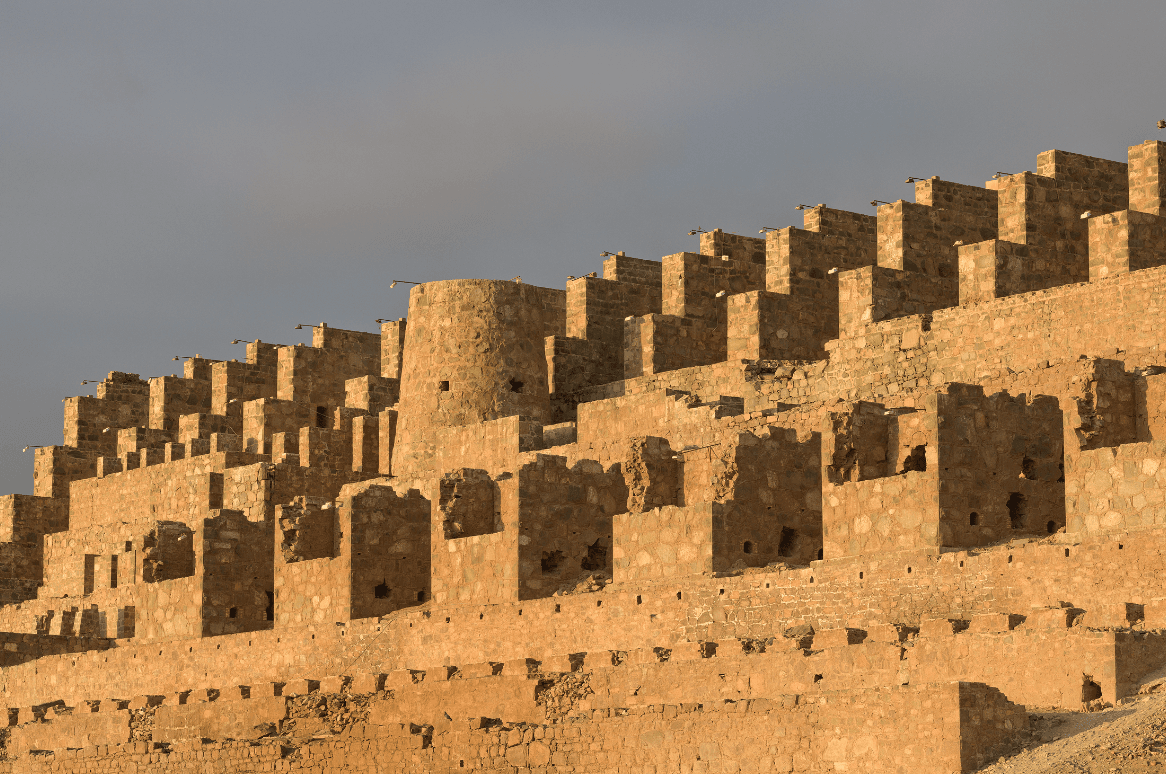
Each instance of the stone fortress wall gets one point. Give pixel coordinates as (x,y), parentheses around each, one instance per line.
(825,498)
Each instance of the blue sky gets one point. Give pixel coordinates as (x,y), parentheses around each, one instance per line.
(177,175)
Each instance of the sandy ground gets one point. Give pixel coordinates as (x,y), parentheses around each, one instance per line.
(1128,739)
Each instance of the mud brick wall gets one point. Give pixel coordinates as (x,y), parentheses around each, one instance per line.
(1147,177)
(1125,241)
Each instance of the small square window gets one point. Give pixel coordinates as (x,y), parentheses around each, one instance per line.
(443,386)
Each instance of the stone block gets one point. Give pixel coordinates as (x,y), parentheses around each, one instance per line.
(836,638)
(995,622)
(368,682)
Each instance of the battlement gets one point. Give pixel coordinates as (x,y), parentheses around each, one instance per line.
(801,483)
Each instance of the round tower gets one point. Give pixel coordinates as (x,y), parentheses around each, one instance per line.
(474,351)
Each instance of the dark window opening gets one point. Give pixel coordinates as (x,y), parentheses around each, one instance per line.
(515,385)
(748,547)
(269,613)
(420,596)
(785,546)
(321,416)
(1089,689)
(679,594)
(817,678)
(113,572)
(1052,527)
(232,612)
(381,590)
(860,576)
(443,386)
(129,546)
(1061,478)
(639,600)
(916,460)
(819,553)
(90,571)
(552,560)
(596,558)
(1016,510)
(974,519)
(1028,469)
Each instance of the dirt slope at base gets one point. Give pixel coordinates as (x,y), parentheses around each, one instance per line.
(1130,739)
